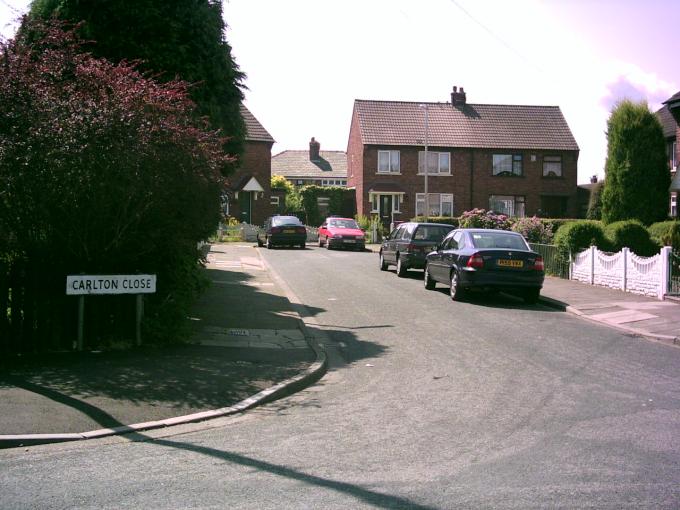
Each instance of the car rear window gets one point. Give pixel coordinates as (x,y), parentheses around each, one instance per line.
(502,240)
(277,221)
(430,233)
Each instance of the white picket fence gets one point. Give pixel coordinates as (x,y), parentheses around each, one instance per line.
(624,270)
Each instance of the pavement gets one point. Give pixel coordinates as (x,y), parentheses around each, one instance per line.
(248,345)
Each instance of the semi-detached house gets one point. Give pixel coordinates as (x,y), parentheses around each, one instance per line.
(517,160)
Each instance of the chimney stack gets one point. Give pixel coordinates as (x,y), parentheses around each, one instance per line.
(314,148)
(458,97)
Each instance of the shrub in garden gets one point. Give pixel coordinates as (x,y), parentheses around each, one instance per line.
(576,236)
(666,233)
(446,220)
(633,235)
(481,218)
(534,230)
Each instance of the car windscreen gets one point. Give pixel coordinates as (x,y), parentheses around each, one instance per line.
(500,240)
(343,224)
(433,233)
(277,221)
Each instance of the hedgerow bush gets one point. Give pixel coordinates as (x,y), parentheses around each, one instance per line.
(534,229)
(666,233)
(481,218)
(578,235)
(633,235)
(446,220)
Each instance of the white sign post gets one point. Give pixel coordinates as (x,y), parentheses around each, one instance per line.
(83,285)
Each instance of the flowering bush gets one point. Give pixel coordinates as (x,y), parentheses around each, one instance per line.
(534,230)
(481,218)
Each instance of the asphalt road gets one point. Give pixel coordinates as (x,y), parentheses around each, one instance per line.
(428,404)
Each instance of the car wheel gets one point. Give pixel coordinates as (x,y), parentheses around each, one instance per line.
(427,279)
(302,246)
(383,264)
(268,243)
(259,242)
(457,292)
(401,268)
(531,296)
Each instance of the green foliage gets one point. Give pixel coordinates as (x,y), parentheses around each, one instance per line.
(171,39)
(369,224)
(281,183)
(595,202)
(310,195)
(481,218)
(576,236)
(633,235)
(102,171)
(556,223)
(534,230)
(637,173)
(666,233)
(445,220)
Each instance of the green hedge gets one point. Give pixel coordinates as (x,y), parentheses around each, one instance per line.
(447,220)
(576,236)
(631,234)
(666,233)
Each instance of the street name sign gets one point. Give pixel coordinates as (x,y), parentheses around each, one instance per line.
(78,285)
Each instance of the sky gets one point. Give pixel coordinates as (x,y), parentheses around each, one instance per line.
(306,61)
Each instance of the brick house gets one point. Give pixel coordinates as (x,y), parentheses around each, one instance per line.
(248,195)
(518,160)
(669,116)
(322,168)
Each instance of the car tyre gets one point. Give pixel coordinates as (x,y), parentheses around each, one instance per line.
(457,292)
(401,268)
(383,264)
(531,296)
(302,246)
(427,279)
(259,242)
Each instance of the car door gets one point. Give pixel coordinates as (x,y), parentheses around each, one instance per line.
(438,267)
(390,253)
(451,254)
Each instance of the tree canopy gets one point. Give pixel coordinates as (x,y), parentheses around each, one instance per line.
(101,169)
(172,39)
(637,175)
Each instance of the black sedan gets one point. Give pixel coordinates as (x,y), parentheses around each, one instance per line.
(408,243)
(282,231)
(483,259)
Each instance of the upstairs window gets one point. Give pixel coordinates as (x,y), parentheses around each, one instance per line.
(507,164)
(388,162)
(552,166)
(438,163)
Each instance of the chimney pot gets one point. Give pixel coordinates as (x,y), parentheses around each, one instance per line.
(458,97)
(314,150)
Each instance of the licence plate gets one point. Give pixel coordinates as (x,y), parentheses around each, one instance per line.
(510,263)
(348,241)
(289,231)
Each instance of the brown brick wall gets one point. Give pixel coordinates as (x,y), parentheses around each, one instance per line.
(471,180)
(256,161)
(355,165)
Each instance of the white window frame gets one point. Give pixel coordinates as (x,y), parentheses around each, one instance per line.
(673,155)
(673,210)
(274,200)
(552,164)
(393,162)
(374,198)
(435,199)
(516,205)
(514,158)
(435,166)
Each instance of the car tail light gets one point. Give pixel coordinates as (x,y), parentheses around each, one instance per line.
(538,264)
(276,230)
(476,261)
(301,230)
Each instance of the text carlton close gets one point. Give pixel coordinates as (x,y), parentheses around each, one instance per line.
(111,284)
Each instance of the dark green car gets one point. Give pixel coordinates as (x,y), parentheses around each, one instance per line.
(409,243)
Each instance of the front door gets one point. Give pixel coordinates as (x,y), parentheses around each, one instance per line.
(244,206)
(386,210)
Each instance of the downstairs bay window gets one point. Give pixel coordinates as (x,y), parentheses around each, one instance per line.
(507,204)
(440,204)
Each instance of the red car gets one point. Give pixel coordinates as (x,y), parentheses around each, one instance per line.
(341,233)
